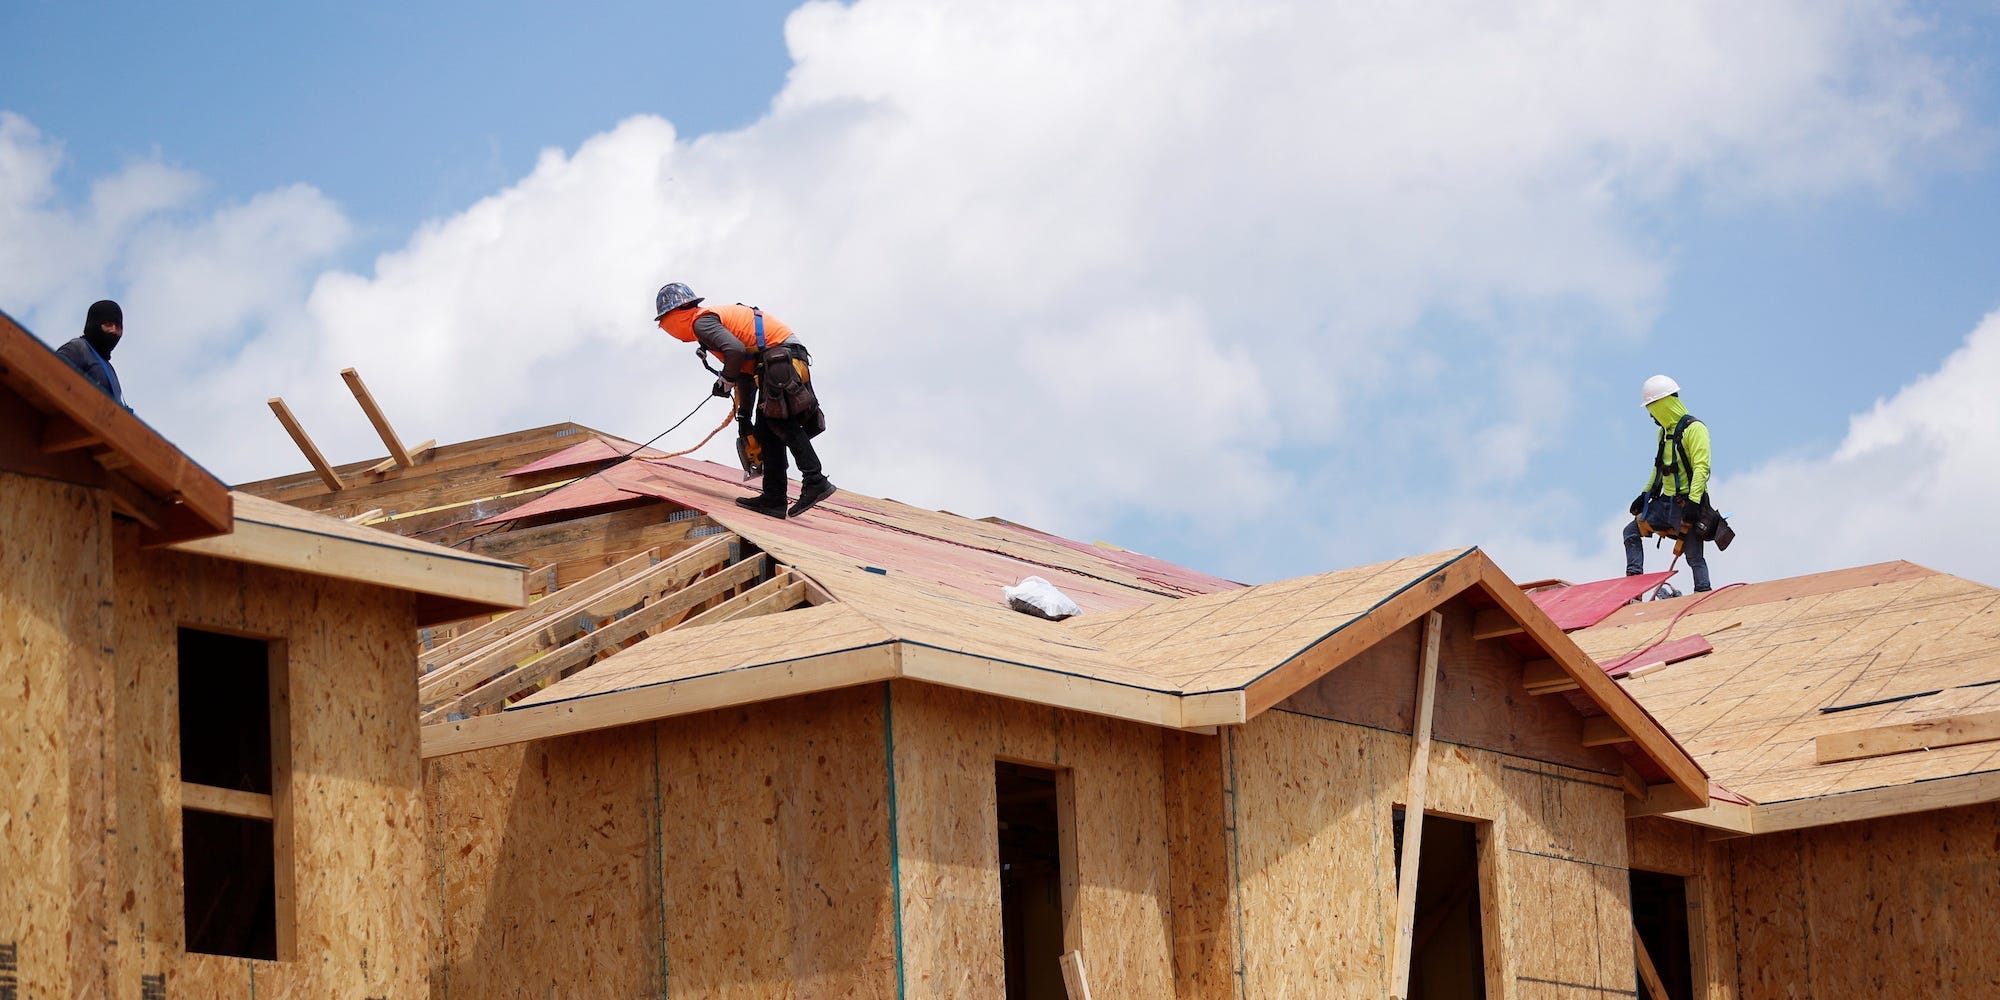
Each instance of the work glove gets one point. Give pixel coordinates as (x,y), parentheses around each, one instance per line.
(1638,504)
(720,389)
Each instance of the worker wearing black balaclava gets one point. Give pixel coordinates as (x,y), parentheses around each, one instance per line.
(90,354)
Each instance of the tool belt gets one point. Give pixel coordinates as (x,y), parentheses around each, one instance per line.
(784,381)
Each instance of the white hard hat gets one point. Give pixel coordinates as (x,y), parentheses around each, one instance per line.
(1657,387)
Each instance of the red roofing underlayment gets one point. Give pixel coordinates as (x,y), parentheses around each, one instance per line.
(1684,648)
(864,529)
(1586,604)
(601,448)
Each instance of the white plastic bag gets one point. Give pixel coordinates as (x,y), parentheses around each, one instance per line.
(1039,597)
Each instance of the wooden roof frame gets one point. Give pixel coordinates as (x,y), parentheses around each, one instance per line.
(149,479)
(1470,571)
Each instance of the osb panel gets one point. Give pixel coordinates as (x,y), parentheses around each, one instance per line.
(1571,928)
(1204,929)
(1750,710)
(355,801)
(1316,864)
(1892,907)
(946,743)
(54,574)
(1317,884)
(1662,845)
(1480,701)
(546,867)
(776,839)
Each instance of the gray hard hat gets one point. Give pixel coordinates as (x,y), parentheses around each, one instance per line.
(673,296)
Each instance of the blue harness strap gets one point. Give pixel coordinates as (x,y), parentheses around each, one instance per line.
(758,315)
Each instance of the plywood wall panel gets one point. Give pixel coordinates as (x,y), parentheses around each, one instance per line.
(546,859)
(946,744)
(55,564)
(1893,907)
(1203,881)
(354,800)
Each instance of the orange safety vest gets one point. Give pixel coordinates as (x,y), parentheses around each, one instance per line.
(737,319)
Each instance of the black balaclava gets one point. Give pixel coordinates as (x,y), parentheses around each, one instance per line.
(101,312)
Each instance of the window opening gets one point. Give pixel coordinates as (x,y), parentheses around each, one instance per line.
(1660,921)
(232,756)
(1034,869)
(1447,943)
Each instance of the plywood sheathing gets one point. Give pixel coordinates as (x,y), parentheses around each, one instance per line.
(354,798)
(740,853)
(946,743)
(1895,907)
(55,694)
(1750,710)
(451,473)
(1313,801)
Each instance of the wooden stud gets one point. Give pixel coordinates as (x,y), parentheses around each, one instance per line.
(1925,734)
(225,801)
(1546,677)
(364,517)
(1603,731)
(538,612)
(61,433)
(397,453)
(1413,808)
(1074,980)
(1493,623)
(306,446)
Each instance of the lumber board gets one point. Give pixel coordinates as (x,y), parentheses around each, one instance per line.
(557,626)
(748,686)
(580,547)
(1075,981)
(62,433)
(780,593)
(1648,974)
(225,801)
(397,454)
(1413,807)
(1546,676)
(306,446)
(1603,731)
(496,455)
(536,613)
(551,665)
(416,454)
(1924,734)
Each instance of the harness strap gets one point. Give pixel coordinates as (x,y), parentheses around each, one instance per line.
(1686,466)
(757,315)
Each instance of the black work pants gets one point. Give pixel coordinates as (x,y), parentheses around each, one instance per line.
(778,436)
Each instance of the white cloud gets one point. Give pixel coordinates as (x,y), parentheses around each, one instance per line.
(1076,262)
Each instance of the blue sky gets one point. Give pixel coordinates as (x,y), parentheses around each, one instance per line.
(1265,288)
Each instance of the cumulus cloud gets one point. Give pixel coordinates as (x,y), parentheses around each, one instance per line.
(1079,264)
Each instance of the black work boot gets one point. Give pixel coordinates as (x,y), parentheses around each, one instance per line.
(771,506)
(811,492)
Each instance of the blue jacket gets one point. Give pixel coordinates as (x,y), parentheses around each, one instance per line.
(85,359)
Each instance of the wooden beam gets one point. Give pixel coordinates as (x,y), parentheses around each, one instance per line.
(1603,731)
(225,801)
(747,686)
(1494,623)
(306,446)
(551,666)
(1074,981)
(1648,974)
(1546,677)
(61,433)
(397,453)
(1925,734)
(416,455)
(1875,803)
(1413,808)
(364,516)
(539,612)
(779,593)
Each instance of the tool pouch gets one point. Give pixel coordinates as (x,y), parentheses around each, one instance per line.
(785,381)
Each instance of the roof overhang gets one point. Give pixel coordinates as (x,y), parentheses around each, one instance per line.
(148,478)
(449,585)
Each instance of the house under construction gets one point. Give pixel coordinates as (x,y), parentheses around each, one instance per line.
(719,754)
